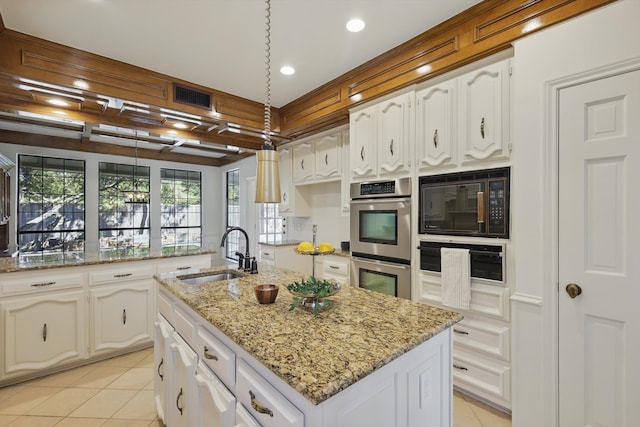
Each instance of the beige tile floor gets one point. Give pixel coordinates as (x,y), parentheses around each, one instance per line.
(119,393)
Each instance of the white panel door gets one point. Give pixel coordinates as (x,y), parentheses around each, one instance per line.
(599,231)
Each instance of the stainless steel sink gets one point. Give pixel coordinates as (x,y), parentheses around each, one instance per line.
(199,278)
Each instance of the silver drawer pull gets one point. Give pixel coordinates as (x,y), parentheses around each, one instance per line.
(461,368)
(183,268)
(458,331)
(208,355)
(258,406)
(39,285)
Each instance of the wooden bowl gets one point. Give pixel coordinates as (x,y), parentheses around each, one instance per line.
(266,294)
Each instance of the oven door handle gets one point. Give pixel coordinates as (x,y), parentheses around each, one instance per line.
(381,200)
(382,263)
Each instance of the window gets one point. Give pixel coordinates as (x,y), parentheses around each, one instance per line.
(180,200)
(271,224)
(123,227)
(51,209)
(233,212)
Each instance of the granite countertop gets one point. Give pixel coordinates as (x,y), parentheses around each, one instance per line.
(13,264)
(317,355)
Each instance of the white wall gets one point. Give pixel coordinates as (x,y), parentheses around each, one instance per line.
(211,193)
(603,37)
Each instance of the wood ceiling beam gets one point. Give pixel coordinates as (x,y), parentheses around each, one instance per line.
(482,30)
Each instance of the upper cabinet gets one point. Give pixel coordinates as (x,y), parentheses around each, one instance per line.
(464,120)
(317,159)
(379,139)
(484,113)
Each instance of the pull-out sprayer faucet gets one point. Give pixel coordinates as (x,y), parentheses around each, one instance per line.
(246,261)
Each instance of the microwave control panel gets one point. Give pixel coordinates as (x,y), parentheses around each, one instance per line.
(497,206)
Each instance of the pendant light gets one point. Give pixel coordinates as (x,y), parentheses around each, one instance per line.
(136,196)
(268,174)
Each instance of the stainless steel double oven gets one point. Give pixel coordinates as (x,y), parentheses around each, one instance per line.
(381,236)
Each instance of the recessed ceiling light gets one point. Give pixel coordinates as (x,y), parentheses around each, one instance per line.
(58,102)
(355,25)
(287,70)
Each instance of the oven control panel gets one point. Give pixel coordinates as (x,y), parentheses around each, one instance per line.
(497,206)
(392,188)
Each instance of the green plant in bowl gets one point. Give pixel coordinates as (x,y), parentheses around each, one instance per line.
(310,293)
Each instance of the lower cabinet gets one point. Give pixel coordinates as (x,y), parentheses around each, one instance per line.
(481,341)
(283,256)
(122,315)
(42,331)
(204,378)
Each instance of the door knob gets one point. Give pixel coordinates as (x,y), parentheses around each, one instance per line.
(573,290)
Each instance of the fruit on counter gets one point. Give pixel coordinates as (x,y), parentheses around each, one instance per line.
(325,247)
(305,247)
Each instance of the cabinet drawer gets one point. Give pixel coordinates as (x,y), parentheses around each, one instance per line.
(485,377)
(490,338)
(27,282)
(185,264)
(184,325)
(217,356)
(268,254)
(335,267)
(487,300)
(265,403)
(164,304)
(121,272)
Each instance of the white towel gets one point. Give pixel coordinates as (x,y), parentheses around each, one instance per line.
(456,277)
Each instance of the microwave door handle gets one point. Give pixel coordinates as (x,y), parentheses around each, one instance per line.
(481,208)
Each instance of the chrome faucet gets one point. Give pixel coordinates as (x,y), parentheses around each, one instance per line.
(250,263)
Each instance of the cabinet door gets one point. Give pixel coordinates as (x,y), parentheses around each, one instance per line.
(162,375)
(121,315)
(435,126)
(44,331)
(484,113)
(286,181)
(393,135)
(303,163)
(362,140)
(345,184)
(181,409)
(214,406)
(327,156)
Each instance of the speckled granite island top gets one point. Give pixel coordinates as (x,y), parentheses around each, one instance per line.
(317,355)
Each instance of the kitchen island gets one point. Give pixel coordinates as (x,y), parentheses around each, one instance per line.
(369,360)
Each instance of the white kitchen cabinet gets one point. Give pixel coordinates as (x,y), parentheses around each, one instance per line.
(163,332)
(42,331)
(303,162)
(481,341)
(243,418)
(336,268)
(362,143)
(379,139)
(183,367)
(328,156)
(214,405)
(436,126)
(284,256)
(184,264)
(293,200)
(121,315)
(345,184)
(484,113)
(216,355)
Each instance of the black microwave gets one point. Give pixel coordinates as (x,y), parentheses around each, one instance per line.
(473,203)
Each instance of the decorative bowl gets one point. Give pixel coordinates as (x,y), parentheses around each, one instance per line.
(266,294)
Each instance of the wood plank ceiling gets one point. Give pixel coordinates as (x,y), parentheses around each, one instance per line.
(128,103)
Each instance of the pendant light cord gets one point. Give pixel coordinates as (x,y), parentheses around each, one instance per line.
(267,104)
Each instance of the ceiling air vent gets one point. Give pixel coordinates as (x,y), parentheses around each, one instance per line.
(190,96)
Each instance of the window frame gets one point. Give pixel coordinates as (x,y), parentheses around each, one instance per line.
(164,209)
(232,215)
